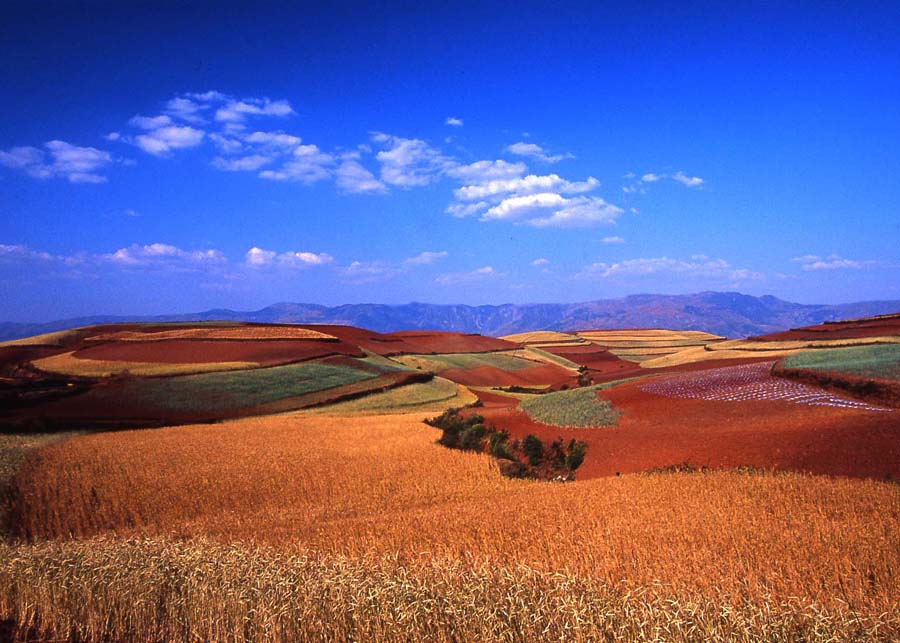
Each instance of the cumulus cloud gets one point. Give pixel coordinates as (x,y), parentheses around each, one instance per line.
(699,266)
(149,122)
(541,261)
(58,159)
(484,171)
(453,121)
(536,152)
(520,186)
(163,255)
(185,109)
(237,110)
(650,177)
(365,272)
(549,209)
(278,139)
(425,258)
(163,140)
(352,177)
(689,181)
(611,241)
(457,278)
(832,262)
(409,162)
(308,165)
(257,257)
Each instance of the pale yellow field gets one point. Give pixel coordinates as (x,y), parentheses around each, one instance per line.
(306,528)
(536,354)
(548,337)
(68,364)
(249,333)
(47,339)
(426,397)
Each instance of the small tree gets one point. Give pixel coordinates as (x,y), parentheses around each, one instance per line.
(533,448)
(576,454)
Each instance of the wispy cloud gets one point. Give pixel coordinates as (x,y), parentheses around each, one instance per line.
(453,121)
(163,140)
(833,262)
(308,165)
(352,177)
(541,261)
(258,258)
(163,255)
(689,181)
(249,163)
(611,241)
(425,258)
(457,278)
(535,151)
(698,266)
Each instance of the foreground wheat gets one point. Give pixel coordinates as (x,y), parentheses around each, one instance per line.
(364,529)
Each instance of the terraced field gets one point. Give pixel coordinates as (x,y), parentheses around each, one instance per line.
(746,383)
(879,361)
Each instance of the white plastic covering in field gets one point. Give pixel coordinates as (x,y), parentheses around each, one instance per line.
(748,382)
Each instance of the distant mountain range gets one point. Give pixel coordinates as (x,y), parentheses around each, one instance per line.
(724,313)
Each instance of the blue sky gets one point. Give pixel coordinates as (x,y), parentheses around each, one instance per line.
(163,159)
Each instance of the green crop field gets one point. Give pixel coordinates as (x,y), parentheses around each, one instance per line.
(228,391)
(879,360)
(578,407)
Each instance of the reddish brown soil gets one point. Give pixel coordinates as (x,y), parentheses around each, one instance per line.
(193,351)
(870,389)
(592,357)
(656,431)
(544,375)
(422,342)
(854,329)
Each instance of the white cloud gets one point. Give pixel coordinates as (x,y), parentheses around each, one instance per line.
(365,272)
(689,181)
(113,136)
(226,144)
(650,177)
(425,258)
(243,164)
(832,262)
(457,278)
(352,177)
(238,110)
(535,151)
(409,162)
(699,266)
(484,171)
(453,121)
(540,262)
(163,255)
(279,139)
(161,141)
(149,122)
(610,241)
(129,212)
(259,257)
(185,109)
(530,184)
(72,162)
(548,209)
(308,165)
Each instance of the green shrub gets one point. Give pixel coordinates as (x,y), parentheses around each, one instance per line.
(534,449)
(575,457)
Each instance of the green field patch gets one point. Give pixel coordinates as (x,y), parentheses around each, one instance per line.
(578,407)
(404,398)
(880,361)
(229,391)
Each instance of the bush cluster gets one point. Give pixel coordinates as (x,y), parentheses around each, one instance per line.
(558,459)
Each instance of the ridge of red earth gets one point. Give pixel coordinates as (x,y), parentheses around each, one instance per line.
(414,342)
(879,326)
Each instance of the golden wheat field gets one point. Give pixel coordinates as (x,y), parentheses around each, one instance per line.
(249,333)
(68,364)
(317,527)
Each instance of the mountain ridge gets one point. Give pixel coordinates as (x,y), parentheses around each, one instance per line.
(730,314)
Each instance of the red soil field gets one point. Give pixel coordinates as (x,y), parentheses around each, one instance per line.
(193,351)
(421,342)
(660,431)
(854,329)
(544,375)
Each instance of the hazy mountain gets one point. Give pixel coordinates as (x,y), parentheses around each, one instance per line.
(731,314)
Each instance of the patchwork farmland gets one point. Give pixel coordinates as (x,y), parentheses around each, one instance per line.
(297,456)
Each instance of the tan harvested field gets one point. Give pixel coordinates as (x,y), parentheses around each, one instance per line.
(426,397)
(367,516)
(47,339)
(68,364)
(545,337)
(249,333)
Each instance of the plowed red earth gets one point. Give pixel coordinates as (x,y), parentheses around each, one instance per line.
(192,351)
(416,342)
(874,327)
(597,360)
(658,431)
(544,375)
